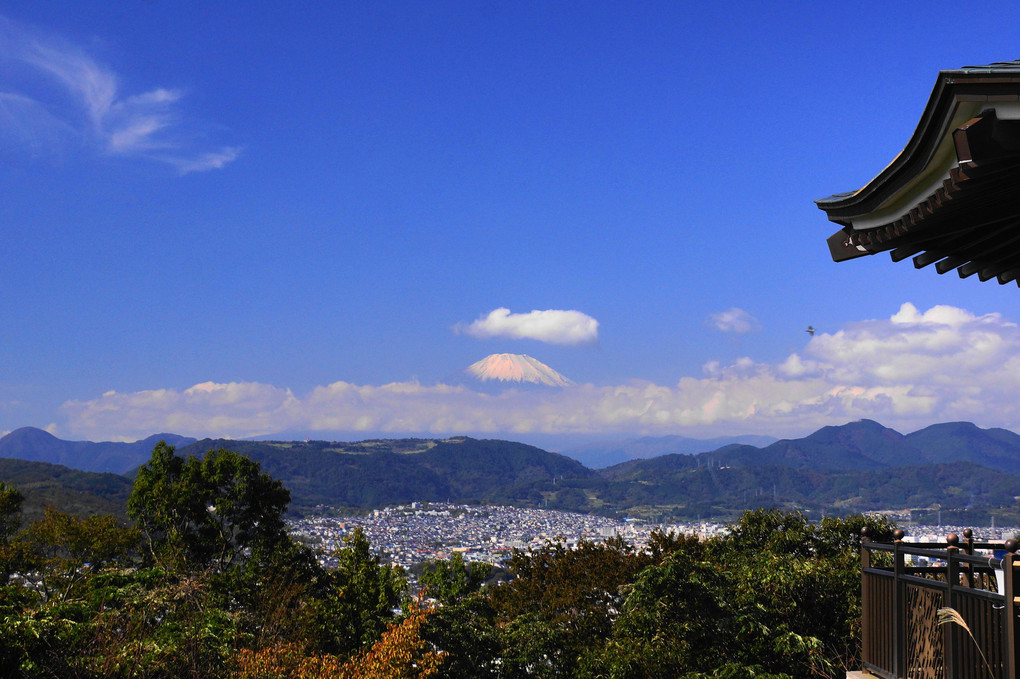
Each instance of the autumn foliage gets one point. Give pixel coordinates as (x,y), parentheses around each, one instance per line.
(400,653)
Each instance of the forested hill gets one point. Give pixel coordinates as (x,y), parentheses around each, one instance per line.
(855,467)
(859,466)
(380,472)
(954,467)
(71,490)
(858,446)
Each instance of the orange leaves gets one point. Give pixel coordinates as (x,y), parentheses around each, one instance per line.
(401,653)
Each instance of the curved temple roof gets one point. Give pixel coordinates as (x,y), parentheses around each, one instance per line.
(952,196)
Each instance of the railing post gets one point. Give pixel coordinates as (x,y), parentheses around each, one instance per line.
(952,580)
(1009,611)
(968,547)
(899,605)
(865,552)
(867,611)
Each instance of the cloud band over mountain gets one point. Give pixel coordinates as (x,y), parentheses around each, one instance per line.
(909,370)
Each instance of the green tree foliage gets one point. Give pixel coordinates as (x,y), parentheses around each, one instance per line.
(361,597)
(465,631)
(673,620)
(462,625)
(220,574)
(209,512)
(160,503)
(561,602)
(10,512)
(245,509)
(64,549)
(450,581)
(776,597)
(156,623)
(10,521)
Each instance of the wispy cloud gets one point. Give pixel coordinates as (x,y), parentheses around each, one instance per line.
(552,325)
(53,90)
(734,320)
(213,160)
(906,371)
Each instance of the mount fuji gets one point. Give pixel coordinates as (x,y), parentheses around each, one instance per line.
(517,368)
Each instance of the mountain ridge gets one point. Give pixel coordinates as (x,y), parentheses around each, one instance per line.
(38,445)
(859,466)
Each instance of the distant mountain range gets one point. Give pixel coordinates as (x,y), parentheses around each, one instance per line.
(606,453)
(29,443)
(863,445)
(953,467)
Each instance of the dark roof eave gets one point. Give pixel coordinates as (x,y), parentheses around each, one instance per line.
(988,83)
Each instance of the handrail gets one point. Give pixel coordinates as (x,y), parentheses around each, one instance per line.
(902,634)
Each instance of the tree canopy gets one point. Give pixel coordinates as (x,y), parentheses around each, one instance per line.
(210,511)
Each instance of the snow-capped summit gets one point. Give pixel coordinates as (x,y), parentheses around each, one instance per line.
(516,368)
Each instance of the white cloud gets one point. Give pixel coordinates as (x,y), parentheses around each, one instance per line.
(908,371)
(552,325)
(53,91)
(223,410)
(213,160)
(734,320)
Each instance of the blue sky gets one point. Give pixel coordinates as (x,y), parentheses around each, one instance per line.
(303,212)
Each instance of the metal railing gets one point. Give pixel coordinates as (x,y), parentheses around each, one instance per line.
(906,587)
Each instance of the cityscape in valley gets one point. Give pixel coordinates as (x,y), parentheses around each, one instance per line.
(411,534)
(408,535)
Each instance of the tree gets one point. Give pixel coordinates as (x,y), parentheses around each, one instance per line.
(246,505)
(674,620)
(10,521)
(161,504)
(464,631)
(65,549)
(362,597)
(11,500)
(209,512)
(562,602)
(400,653)
(450,581)
(461,626)
(776,596)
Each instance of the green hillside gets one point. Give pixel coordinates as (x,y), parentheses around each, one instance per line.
(860,466)
(73,491)
(382,472)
